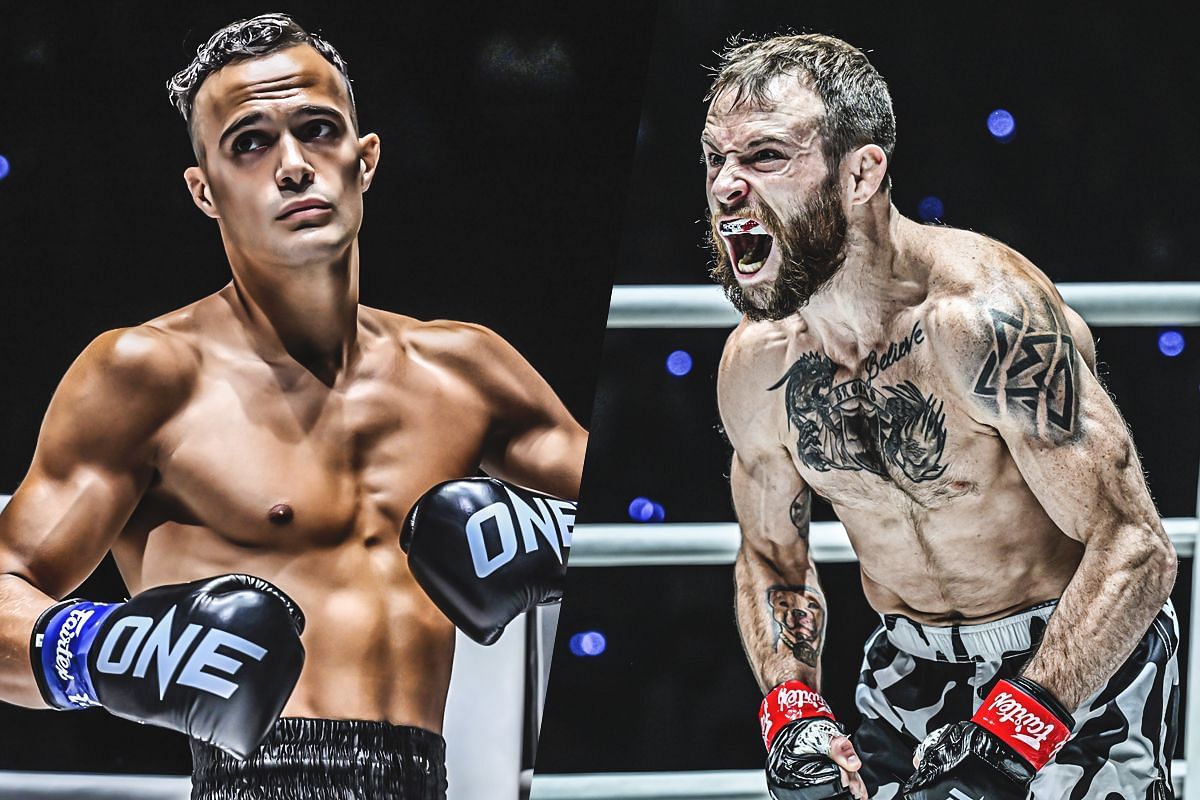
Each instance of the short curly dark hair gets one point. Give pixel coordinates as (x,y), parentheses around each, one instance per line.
(246,39)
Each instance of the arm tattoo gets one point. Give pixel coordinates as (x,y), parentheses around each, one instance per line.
(1032,369)
(799,614)
(801,512)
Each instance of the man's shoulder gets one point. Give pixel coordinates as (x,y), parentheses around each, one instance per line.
(984,299)
(974,280)
(446,341)
(133,378)
(150,355)
(756,351)
(755,357)
(968,267)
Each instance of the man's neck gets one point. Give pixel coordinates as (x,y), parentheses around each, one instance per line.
(308,313)
(877,280)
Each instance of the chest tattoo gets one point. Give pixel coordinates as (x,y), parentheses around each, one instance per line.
(858,426)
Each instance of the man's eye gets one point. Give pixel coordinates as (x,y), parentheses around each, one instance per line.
(318,129)
(249,142)
(714,160)
(768,155)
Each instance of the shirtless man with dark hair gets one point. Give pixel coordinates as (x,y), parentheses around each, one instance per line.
(279,430)
(932,386)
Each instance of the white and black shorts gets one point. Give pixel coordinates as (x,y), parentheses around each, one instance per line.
(916,678)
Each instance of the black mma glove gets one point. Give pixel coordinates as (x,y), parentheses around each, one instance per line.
(995,754)
(485,551)
(797,726)
(216,659)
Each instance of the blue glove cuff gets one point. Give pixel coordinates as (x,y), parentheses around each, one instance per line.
(61,640)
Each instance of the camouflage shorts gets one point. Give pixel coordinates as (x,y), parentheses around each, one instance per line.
(916,678)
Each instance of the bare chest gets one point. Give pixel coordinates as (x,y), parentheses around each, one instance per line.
(251,460)
(879,429)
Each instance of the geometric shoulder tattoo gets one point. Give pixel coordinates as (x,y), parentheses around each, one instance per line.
(1033,368)
(799,615)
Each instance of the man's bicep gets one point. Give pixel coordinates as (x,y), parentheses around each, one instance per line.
(93,461)
(1021,372)
(772,502)
(1091,482)
(534,439)
(56,529)
(547,457)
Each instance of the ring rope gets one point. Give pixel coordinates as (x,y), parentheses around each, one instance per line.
(1107,304)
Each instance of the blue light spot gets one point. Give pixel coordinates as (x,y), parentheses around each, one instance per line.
(588,643)
(1001,125)
(1170,343)
(679,363)
(931,209)
(641,509)
(3,168)
(658,513)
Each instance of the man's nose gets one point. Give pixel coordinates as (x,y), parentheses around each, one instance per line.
(729,188)
(293,171)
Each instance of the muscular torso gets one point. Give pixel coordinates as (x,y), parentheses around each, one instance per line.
(347,461)
(945,527)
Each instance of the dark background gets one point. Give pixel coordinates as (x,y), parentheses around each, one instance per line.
(1098,184)
(507,138)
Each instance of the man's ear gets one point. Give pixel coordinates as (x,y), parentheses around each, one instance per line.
(197,183)
(868,166)
(368,159)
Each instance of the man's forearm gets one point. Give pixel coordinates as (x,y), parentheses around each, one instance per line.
(1104,611)
(22,604)
(781,619)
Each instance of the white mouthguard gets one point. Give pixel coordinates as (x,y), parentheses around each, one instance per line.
(735,226)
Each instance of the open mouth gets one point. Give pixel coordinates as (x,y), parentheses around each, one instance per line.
(748,244)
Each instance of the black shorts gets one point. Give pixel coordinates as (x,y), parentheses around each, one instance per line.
(916,678)
(326,759)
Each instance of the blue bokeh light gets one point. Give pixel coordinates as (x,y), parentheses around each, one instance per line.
(3,168)
(679,363)
(641,509)
(1170,343)
(588,643)
(931,208)
(1001,125)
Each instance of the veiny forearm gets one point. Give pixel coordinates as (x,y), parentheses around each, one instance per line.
(769,598)
(1107,607)
(21,605)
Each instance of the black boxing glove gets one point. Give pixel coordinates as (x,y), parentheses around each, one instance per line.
(485,551)
(797,727)
(996,753)
(216,659)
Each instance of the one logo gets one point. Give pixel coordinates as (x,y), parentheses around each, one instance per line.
(63,655)
(134,641)
(551,519)
(1028,727)
(955,794)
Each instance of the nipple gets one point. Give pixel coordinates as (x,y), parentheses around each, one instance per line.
(280,514)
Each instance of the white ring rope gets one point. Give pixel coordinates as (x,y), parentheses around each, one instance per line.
(709,785)
(1110,304)
(639,544)
(89,786)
